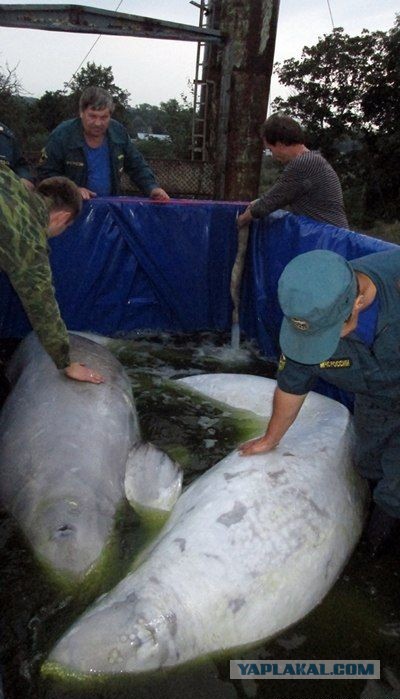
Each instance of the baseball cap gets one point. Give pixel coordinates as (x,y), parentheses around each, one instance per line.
(316,292)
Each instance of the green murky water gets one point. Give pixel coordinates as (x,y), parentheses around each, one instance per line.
(359,618)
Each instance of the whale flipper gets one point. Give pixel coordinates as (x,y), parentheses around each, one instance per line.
(153,482)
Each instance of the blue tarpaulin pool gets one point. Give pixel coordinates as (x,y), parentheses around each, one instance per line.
(131,264)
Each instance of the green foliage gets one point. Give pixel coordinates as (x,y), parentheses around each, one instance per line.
(385,231)
(154,148)
(330,80)
(173,118)
(177,121)
(381,101)
(270,170)
(146,118)
(346,92)
(13,108)
(53,108)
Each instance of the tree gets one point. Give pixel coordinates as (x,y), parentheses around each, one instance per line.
(9,82)
(177,122)
(12,108)
(53,108)
(101,76)
(381,100)
(330,79)
(147,118)
(345,91)
(17,110)
(173,118)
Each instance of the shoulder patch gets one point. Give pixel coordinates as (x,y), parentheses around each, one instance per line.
(43,156)
(282,362)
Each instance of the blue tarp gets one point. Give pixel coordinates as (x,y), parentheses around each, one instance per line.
(131,264)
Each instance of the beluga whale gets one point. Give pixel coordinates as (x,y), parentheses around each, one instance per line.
(65,450)
(250,548)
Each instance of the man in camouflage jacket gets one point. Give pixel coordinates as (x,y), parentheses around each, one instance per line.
(27,219)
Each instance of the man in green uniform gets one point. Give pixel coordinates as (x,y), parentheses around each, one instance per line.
(342,323)
(94,150)
(27,219)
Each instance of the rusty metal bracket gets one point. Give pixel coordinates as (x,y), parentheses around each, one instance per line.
(92,20)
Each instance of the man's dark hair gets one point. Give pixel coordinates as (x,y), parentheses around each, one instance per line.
(63,194)
(282,128)
(96,98)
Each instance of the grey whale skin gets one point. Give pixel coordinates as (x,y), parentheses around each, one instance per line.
(250,548)
(64,446)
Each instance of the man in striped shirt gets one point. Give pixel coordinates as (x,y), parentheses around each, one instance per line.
(308,185)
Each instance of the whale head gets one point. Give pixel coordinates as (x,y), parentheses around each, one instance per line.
(122,637)
(69,533)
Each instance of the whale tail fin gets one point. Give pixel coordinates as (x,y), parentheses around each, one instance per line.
(153,482)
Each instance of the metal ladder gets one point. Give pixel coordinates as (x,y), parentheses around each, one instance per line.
(201,87)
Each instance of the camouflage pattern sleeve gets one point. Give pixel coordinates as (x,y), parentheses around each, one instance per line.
(33,284)
(24,258)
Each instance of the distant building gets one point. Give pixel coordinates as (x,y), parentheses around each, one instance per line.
(145,136)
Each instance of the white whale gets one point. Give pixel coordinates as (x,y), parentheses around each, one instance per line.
(251,547)
(65,449)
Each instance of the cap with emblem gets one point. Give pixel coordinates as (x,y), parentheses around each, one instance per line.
(316,292)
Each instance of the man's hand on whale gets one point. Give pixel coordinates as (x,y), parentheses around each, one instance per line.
(81,372)
(285,409)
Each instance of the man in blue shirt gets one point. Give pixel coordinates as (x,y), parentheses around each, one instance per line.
(94,150)
(342,323)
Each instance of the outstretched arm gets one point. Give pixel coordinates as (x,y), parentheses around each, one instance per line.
(285,408)
(33,283)
(140,172)
(290,185)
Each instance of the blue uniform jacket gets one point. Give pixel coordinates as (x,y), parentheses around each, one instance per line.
(11,155)
(64,155)
(373,371)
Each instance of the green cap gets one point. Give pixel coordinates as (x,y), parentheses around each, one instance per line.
(316,292)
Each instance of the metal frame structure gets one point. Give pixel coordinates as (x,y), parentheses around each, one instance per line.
(236,41)
(93,20)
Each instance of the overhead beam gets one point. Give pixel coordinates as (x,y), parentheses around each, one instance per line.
(91,20)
